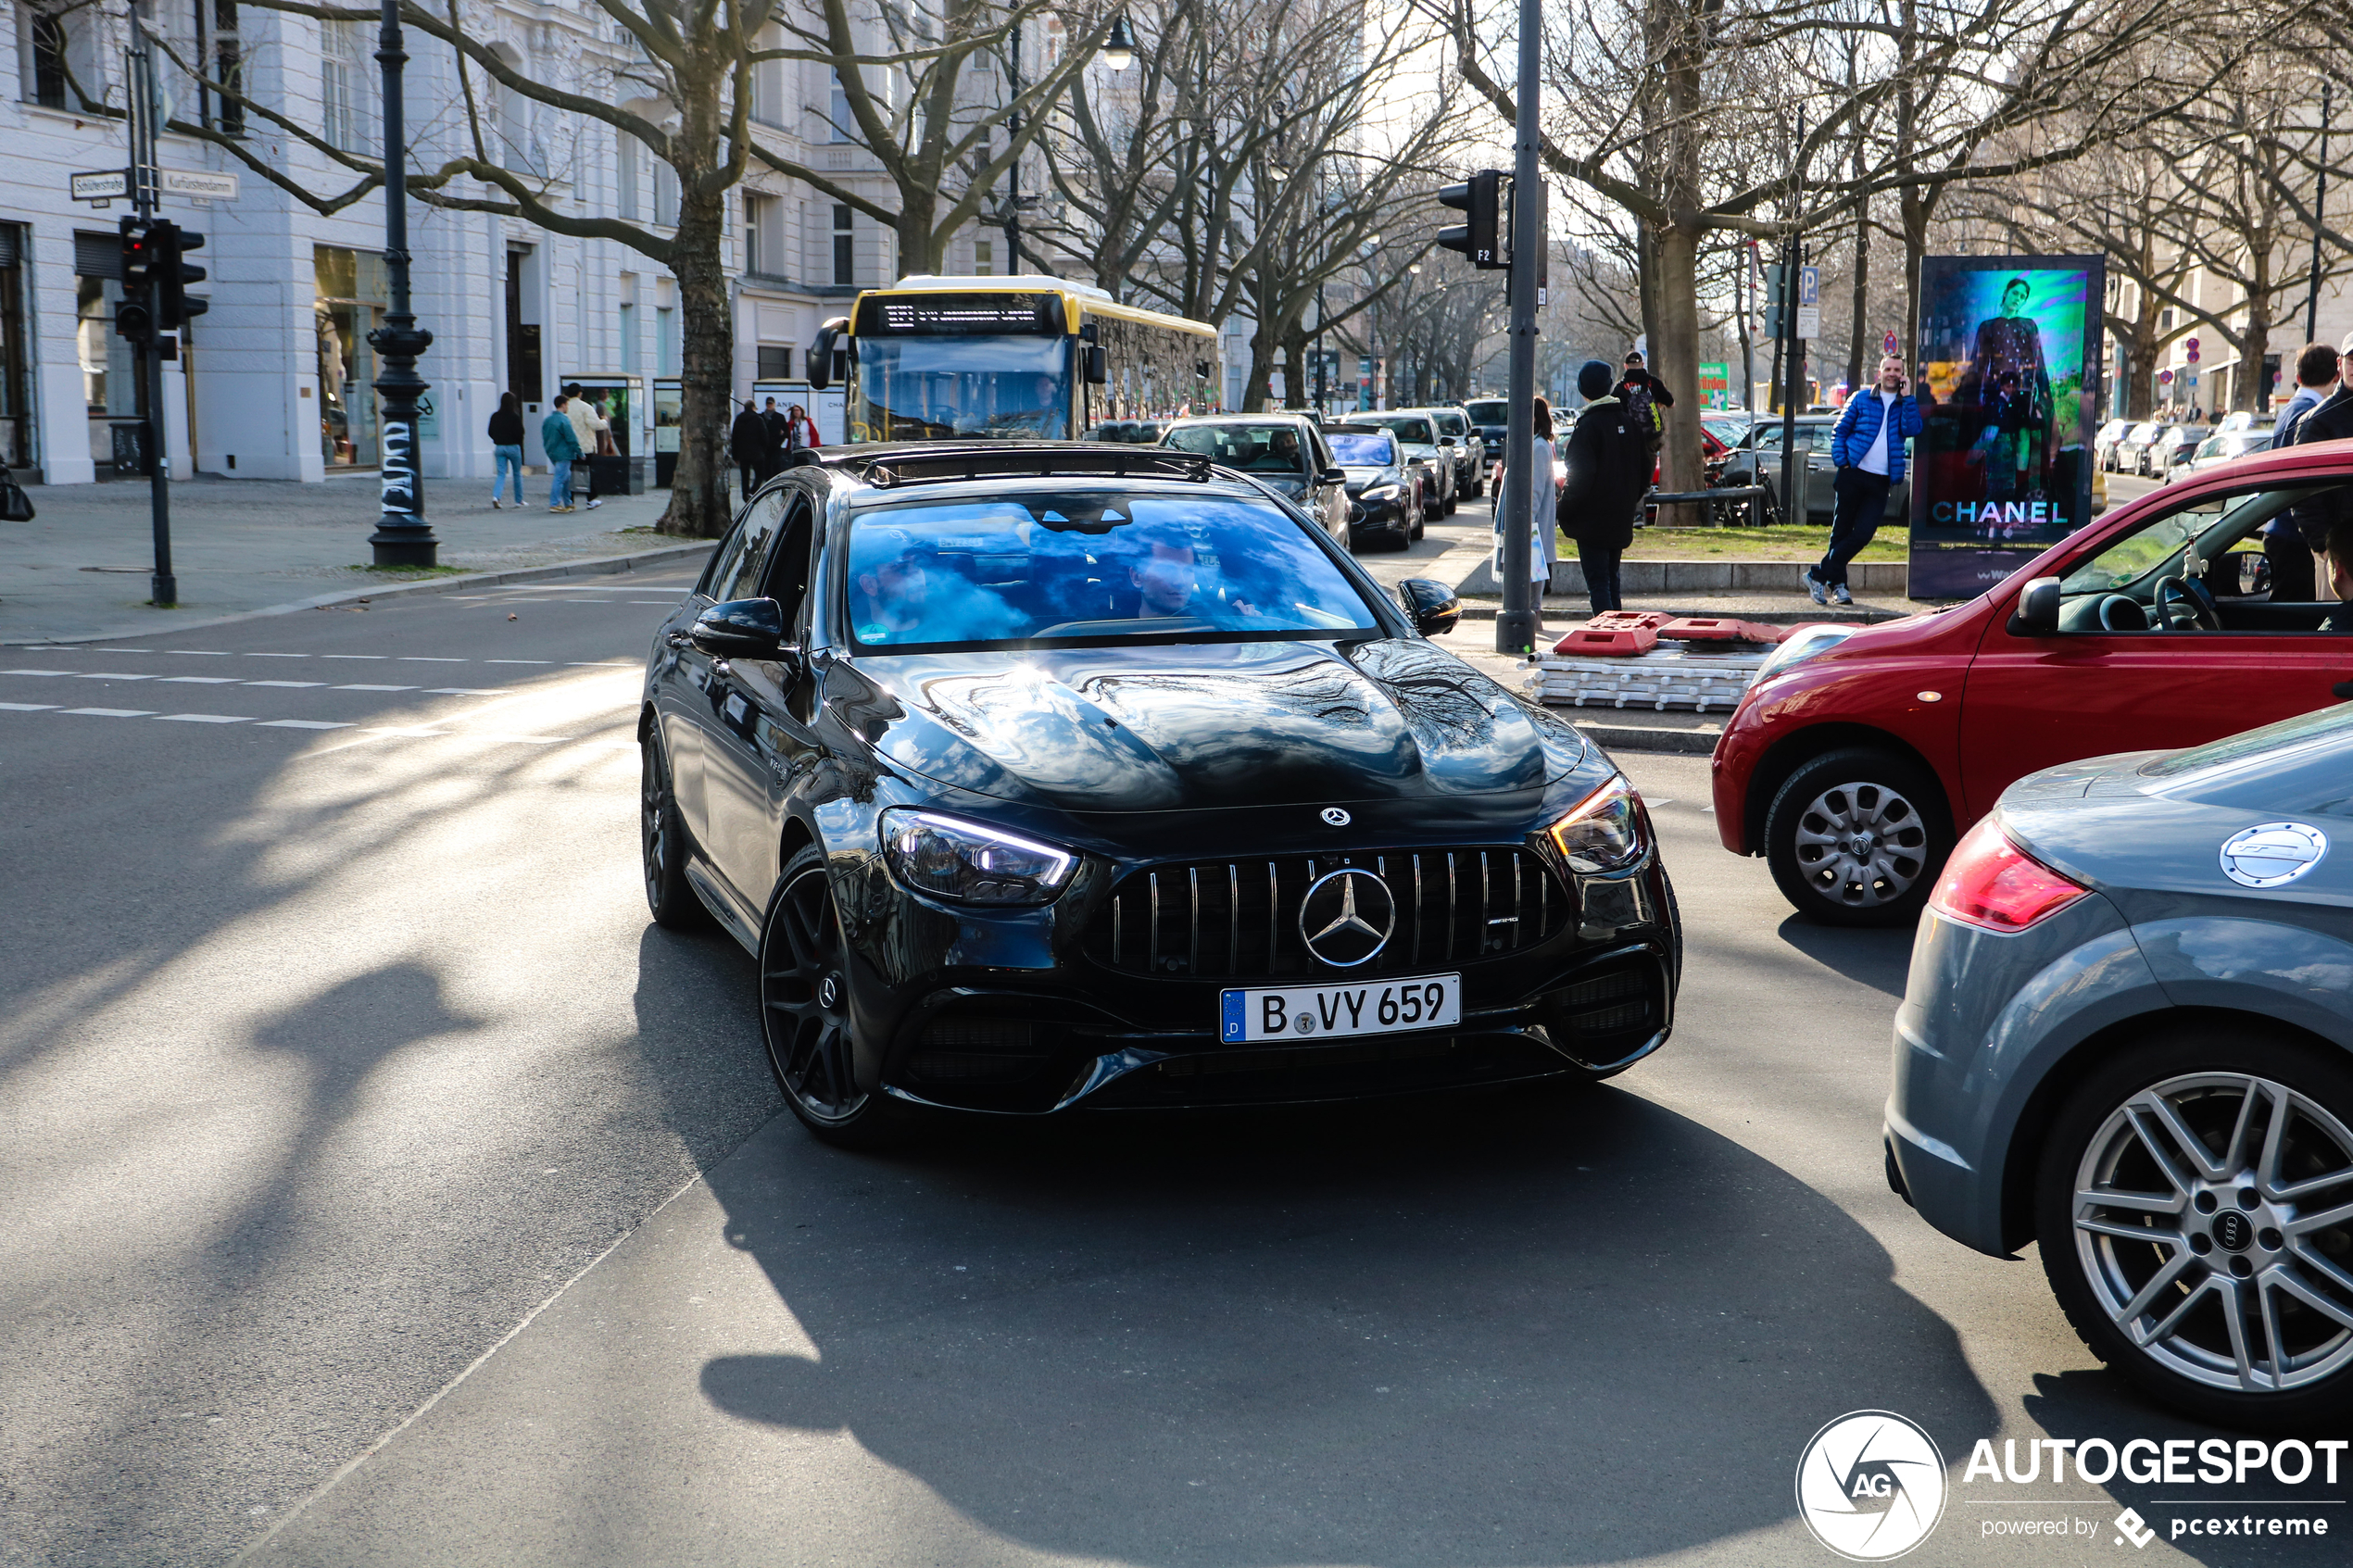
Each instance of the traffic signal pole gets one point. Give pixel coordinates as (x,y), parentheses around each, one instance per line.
(163,588)
(1515,627)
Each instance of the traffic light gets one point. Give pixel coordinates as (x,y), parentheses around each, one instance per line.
(175,306)
(1776,295)
(1482,198)
(131,318)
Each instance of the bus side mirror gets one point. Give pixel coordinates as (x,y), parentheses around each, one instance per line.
(1096,365)
(2038,609)
(823,368)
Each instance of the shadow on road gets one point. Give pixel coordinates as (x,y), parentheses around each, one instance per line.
(1875,958)
(1576,1329)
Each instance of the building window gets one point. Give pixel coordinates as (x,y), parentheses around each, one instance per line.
(665,193)
(343,100)
(665,341)
(984,258)
(627,155)
(217,41)
(348,303)
(768,82)
(628,339)
(775,363)
(845,256)
(838,111)
(16,403)
(763,234)
(58,61)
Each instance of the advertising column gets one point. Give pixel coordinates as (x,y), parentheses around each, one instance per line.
(2010,396)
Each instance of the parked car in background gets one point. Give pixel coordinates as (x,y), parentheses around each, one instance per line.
(2220,447)
(1758,460)
(2104,443)
(2131,448)
(1140,433)
(2173,445)
(2239,419)
(1492,417)
(1858,755)
(1417,434)
(1284,452)
(1384,489)
(1726,425)
(2128,1037)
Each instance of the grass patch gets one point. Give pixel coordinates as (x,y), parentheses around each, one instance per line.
(1891,542)
(410,574)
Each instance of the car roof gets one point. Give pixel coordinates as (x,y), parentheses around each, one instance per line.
(909,466)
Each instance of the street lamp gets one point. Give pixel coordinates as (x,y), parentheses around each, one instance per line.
(1119,49)
(402,536)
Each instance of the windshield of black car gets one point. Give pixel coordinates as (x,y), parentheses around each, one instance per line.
(1274,447)
(1489,412)
(1042,568)
(916,388)
(1362,451)
(1415,430)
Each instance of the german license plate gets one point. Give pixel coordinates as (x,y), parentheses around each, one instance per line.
(1315,1013)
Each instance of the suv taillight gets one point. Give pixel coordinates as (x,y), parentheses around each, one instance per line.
(1994,886)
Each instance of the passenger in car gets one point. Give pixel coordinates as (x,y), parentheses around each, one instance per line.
(1167,582)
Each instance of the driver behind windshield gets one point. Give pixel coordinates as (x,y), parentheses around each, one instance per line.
(1167,581)
(889,603)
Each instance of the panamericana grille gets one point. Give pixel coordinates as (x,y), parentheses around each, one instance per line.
(1239,919)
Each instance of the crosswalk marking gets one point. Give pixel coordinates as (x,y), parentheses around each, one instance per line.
(204,718)
(110,675)
(114,712)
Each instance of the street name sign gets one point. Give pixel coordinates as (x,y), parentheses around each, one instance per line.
(202,185)
(104,184)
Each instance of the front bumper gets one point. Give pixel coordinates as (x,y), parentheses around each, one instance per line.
(1045,1032)
(1389,515)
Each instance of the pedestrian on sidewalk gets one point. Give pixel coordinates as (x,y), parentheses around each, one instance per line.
(2331,420)
(562,444)
(746,439)
(800,432)
(2292,577)
(772,458)
(590,429)
(1866,445)
(1605,472)
(506,446)
(1543,481)
(1644,394)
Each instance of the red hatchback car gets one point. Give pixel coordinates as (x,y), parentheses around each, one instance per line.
(1858,755)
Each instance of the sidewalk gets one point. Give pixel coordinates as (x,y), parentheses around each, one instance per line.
(81,569)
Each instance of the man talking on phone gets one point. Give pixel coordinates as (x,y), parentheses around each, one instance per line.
(1868,447)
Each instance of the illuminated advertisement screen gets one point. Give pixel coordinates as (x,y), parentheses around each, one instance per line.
(2009,398)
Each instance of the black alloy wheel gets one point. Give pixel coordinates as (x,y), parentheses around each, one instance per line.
(662,837)
(804,1012)
(1857,836)
(2193,1205)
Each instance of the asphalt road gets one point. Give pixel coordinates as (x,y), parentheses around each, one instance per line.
(378,1186)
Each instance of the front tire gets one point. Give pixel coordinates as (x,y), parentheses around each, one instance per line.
(2195,1204)
(661,840)
(1855,837)
(805,1014)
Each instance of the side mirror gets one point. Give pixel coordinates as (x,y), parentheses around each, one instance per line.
(821,354)
(1095,365)
(1446,441)
(2038,609)
(1332,476)
(740,629)
(1430,604)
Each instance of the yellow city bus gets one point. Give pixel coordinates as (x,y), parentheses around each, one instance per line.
(934,359)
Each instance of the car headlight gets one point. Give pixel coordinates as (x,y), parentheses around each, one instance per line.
(967,863)
(1798,647)
(1606,831)
(1384,493)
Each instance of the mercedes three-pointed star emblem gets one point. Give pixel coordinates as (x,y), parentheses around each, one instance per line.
(1347,917)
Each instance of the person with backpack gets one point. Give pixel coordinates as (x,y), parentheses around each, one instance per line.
(1605,472)
(1867,444)
(1644,394)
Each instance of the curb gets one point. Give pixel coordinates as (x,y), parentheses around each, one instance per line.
(597,566)
(1646,737)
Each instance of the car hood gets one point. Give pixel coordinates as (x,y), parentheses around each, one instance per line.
(1359,478)
(1149,729)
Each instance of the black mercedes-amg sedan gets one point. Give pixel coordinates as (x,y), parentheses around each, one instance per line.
(1062,776)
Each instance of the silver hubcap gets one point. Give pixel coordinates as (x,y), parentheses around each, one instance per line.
(1861,845)
(2213,1217)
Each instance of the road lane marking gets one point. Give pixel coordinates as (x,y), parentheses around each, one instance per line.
(428,658)
(203,653)
(204,718)
(277,655)
(111,675)
(39,672)
(355,656)
(113,712)
(300,724)
(283,682)
(122,650)
(26,707)
(540,661)
(411,731)
(375,688)
(200,680)
(463,691)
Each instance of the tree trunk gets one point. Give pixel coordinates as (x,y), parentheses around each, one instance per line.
(1295,367)
(1676,353)
(2255,340)
(1262,371)
(698,505)
(1859,330)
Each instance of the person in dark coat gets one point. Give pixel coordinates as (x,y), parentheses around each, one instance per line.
(749,443)
(2333,420)
(1607,468)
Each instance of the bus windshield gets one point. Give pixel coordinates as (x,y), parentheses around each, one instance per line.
(921,388)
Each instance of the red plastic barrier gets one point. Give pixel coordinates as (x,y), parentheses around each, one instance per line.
(1629,620)
(1609,641)
(1718,629)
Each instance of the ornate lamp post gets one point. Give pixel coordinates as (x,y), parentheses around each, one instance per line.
(402,536)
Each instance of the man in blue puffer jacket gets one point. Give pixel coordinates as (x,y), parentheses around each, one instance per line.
(1868,447)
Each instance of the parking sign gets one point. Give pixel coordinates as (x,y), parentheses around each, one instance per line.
(1809,302)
